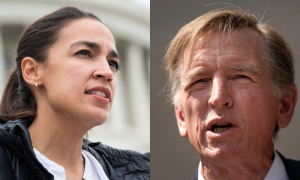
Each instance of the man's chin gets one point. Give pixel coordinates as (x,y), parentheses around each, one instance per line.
(219,153)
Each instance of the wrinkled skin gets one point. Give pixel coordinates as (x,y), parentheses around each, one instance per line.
(227,81)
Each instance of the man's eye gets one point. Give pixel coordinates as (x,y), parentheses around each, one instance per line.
(202,80)
(241,76)
(114,64)
(84,52)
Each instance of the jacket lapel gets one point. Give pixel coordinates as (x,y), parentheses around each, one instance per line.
(292,167)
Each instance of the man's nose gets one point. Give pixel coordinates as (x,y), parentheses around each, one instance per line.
(220,95)
(103,70)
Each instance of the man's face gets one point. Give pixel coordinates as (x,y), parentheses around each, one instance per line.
(228,109)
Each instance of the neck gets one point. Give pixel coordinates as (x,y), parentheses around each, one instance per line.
(59,138)
(251,167)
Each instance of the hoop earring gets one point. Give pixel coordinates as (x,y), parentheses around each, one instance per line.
(36,86)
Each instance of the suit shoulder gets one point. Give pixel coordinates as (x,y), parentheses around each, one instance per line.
(196,175)
(291,166)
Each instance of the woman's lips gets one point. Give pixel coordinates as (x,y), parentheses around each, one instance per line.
(99,98)
(100,93)
(99,90)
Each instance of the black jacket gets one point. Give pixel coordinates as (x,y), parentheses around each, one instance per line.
(292,168)
(18,161)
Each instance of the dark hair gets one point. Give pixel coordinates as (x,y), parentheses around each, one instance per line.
(17,99)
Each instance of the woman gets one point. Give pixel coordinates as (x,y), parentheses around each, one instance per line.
(63,85)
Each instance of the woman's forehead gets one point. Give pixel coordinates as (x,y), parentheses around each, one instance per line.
(86,29)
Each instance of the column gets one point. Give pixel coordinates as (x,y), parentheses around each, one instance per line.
(139,95)
(119,116)
(2,64)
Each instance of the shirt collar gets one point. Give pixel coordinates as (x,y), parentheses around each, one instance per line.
(276,172)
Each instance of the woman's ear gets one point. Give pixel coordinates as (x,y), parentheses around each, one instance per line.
(181,122)
(31,71)
(287,106)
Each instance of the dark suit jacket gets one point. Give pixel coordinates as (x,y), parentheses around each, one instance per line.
(292,168)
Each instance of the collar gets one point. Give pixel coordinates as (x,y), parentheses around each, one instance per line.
(200,177)
(276,172)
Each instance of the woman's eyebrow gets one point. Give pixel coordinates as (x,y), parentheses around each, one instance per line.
(114,54)
(92,45)
(95,46)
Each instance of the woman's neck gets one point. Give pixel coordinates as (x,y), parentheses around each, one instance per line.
(58,138)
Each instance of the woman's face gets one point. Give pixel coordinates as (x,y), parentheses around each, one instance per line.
(79,75)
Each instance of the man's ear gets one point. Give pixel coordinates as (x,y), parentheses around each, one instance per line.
(181,122)
(30,71)
(288,103)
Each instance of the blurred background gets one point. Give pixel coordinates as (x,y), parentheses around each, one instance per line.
(173,157)
(128,126)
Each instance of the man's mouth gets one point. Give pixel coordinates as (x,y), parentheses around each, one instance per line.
(99,93)
(221,127)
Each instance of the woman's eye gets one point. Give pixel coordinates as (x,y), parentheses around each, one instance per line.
(84,52)
(114,64)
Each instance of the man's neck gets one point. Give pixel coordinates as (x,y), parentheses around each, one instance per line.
(255,167)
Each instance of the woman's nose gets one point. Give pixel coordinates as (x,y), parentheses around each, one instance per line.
(220,96)
(103,70)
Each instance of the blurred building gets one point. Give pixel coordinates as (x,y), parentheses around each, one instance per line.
(128,126)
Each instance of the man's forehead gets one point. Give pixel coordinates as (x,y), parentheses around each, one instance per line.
(245,42)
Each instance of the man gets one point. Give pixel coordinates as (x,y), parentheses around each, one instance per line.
(232,85)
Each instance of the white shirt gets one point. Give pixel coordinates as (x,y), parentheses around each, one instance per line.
(276,172)
(93,170)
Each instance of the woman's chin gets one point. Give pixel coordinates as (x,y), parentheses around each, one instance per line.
(91,117)
(95,122)
(98,118)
